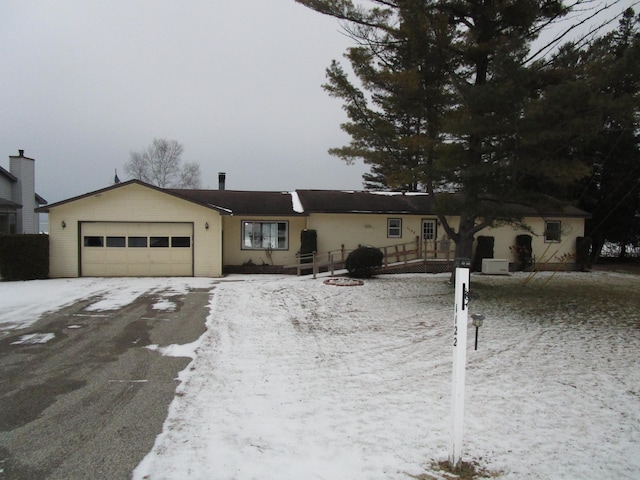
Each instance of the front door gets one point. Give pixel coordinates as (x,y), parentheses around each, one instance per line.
(429,230)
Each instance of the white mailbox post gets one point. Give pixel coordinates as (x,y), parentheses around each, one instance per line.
(460,319)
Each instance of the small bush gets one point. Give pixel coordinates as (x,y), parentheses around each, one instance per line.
(364,261)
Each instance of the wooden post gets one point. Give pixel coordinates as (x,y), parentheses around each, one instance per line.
(315,265)
(459,359)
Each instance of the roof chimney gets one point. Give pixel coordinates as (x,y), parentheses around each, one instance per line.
(221,178)
(21,153)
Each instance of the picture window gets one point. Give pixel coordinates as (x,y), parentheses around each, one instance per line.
(265,235)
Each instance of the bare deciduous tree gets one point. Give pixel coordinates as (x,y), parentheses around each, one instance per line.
(160,164)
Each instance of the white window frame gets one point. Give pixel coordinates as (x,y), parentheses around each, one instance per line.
(431,221)
(264,235)
(394,231)
(547,237)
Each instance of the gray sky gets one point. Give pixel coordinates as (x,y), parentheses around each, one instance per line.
(237,82)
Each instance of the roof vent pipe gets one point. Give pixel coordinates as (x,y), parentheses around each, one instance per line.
(221,179)
(21,153)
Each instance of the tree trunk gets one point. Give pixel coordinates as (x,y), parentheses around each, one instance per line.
(596,248)
(464,241)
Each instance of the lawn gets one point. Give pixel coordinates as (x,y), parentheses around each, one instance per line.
(298,379)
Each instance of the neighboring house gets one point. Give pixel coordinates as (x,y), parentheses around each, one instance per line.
(136,229)
(18,199)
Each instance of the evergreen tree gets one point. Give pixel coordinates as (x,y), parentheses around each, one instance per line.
(612,191)
(449,101)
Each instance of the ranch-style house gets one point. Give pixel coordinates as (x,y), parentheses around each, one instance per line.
(136,229)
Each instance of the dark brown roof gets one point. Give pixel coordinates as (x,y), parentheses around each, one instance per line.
(305,202)
(333,201)
(238,202)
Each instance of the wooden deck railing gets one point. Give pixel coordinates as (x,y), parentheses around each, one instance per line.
(397,254)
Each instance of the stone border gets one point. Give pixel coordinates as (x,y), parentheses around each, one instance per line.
(343,282)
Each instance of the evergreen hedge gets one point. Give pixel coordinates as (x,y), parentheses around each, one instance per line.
(24,257)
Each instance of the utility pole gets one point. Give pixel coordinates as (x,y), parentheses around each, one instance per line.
(459,359)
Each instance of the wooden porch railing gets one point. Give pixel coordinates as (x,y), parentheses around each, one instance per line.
(397,254)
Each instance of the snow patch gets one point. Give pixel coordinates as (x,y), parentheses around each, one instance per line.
(165,305)
(186,350)
(34,339)
(297,380)
(297,204)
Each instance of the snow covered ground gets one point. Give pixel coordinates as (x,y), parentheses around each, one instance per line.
(298,379)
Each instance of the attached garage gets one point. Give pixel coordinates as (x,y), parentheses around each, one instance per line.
(116,249)
(134,229)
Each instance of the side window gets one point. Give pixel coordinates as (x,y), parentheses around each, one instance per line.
(394,228)
(552,231)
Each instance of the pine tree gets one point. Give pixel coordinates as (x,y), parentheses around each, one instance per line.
(612,191)
(447,100)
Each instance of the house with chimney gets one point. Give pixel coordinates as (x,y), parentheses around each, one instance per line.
(18,199)
(136,229)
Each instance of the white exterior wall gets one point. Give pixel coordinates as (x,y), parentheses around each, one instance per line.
(351,230)
(6,188)
(542,251)
(133,203)
(234,254)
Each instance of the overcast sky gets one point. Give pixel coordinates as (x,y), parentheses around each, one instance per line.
(237,82)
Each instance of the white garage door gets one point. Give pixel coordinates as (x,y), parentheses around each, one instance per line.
(136,249)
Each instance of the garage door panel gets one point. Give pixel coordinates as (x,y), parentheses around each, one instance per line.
(137,257)
(116,256)
(180,256)
(125,249)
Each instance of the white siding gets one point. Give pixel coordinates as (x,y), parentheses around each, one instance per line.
(24,193)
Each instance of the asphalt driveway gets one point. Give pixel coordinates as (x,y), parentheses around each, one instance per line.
(89,402)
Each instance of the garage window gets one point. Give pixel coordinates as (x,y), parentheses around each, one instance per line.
(159,242)
(93,241)
(263,235)
(137,242)
(180,242)
(115,242)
